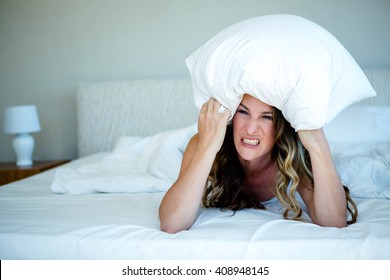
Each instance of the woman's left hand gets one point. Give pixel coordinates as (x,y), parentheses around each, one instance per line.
(313,140)
(327,204)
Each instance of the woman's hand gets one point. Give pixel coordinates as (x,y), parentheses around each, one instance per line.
(313,140)
(180,204)
(327,203)
(212,126)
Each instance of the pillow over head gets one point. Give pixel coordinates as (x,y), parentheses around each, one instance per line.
(287,62)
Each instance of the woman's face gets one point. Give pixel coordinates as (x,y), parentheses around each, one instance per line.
(253,129)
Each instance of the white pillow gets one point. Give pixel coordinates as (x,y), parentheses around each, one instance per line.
(286,61)
(359,124)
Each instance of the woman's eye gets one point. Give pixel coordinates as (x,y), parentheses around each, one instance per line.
(241,111)
(268,117)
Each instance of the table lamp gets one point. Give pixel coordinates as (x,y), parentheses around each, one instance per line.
(22,120)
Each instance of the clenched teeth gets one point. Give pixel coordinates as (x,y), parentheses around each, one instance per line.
(251,142)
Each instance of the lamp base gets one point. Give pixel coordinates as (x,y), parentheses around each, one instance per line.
(23,145)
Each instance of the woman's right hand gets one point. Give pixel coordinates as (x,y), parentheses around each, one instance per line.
(180,204)
(212,126)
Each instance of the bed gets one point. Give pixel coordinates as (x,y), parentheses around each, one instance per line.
(131,135)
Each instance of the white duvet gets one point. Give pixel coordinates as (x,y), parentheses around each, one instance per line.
(148,164)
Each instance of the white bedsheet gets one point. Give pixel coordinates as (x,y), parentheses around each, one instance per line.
(36,223)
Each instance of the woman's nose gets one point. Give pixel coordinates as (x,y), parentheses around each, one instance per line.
(251,127)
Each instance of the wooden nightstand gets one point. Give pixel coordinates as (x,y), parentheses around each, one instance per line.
(9,172)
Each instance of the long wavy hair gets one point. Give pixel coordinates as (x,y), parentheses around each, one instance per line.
(293,162)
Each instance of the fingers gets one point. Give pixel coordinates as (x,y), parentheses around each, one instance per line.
(221,109)
(226,112)
(212,125)
(213,107)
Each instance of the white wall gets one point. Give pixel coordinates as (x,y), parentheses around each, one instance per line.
(47,47)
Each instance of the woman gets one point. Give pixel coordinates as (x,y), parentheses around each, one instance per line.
(250,161)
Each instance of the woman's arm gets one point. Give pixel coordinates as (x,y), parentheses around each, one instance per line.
(327,204)
(180,204)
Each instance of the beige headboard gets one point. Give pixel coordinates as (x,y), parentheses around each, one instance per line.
(107,111)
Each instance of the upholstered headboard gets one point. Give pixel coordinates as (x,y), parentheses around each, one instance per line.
(106,111)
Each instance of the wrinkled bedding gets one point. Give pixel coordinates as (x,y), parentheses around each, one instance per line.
(137,164)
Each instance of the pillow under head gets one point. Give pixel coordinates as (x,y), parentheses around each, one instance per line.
(285,61)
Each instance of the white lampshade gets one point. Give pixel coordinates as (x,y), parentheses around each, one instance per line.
(21,119)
